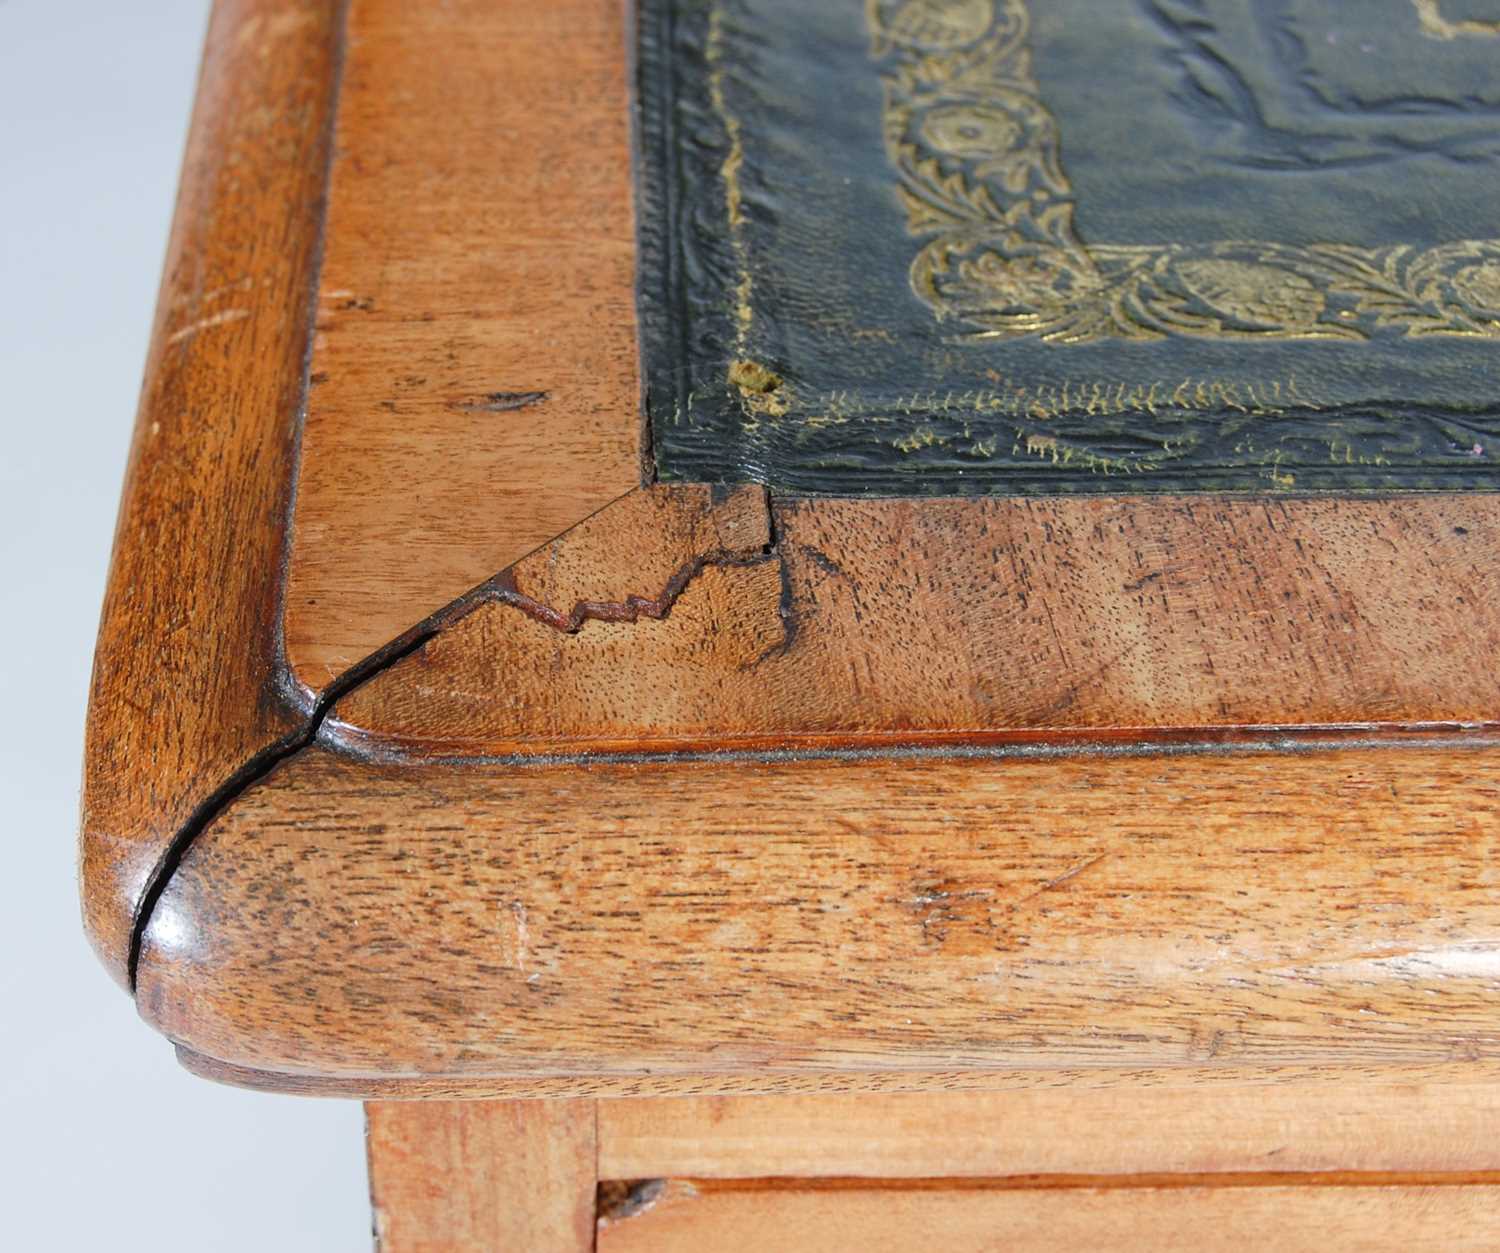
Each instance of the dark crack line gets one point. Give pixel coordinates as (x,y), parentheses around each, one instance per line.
(263,762)
(252,772)
(633,608)
(501,589)
(498,589)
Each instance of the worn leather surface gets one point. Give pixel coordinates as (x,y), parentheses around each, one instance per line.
(951,246)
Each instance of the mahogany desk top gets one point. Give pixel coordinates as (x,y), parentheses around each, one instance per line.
(439,746)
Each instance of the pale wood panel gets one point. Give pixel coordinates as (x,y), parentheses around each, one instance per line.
(482,1177)
(878,619)
(779,1082)
(1289,1219)
(1201,1129)
(479,252)
(737,917)
(184,690)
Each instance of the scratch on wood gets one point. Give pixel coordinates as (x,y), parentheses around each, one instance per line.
(938,907)
(267,30)
(203,324)
(1066,877)
(523,934)
(501,402)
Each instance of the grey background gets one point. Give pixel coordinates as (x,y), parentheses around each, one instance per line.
(104,1142)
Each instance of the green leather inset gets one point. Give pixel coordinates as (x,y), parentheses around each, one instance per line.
(1030,246)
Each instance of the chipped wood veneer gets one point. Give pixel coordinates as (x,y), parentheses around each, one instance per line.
(907,620)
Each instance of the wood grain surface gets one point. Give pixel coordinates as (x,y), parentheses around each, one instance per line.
(475,386)
(497,1175)
(1351,1216)
(1055,915)
(482,1177)
(746,917)
(185,676)
(1366,1123)
(879,619)
(634,1085)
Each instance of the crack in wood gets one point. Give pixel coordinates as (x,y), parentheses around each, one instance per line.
(500,588)
(632,608)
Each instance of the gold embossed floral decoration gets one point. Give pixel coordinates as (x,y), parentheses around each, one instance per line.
(977,153)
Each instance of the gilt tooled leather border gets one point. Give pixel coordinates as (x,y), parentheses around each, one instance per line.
(975,158)
(1004,254)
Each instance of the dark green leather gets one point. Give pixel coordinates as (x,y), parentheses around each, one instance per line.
(959,246)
